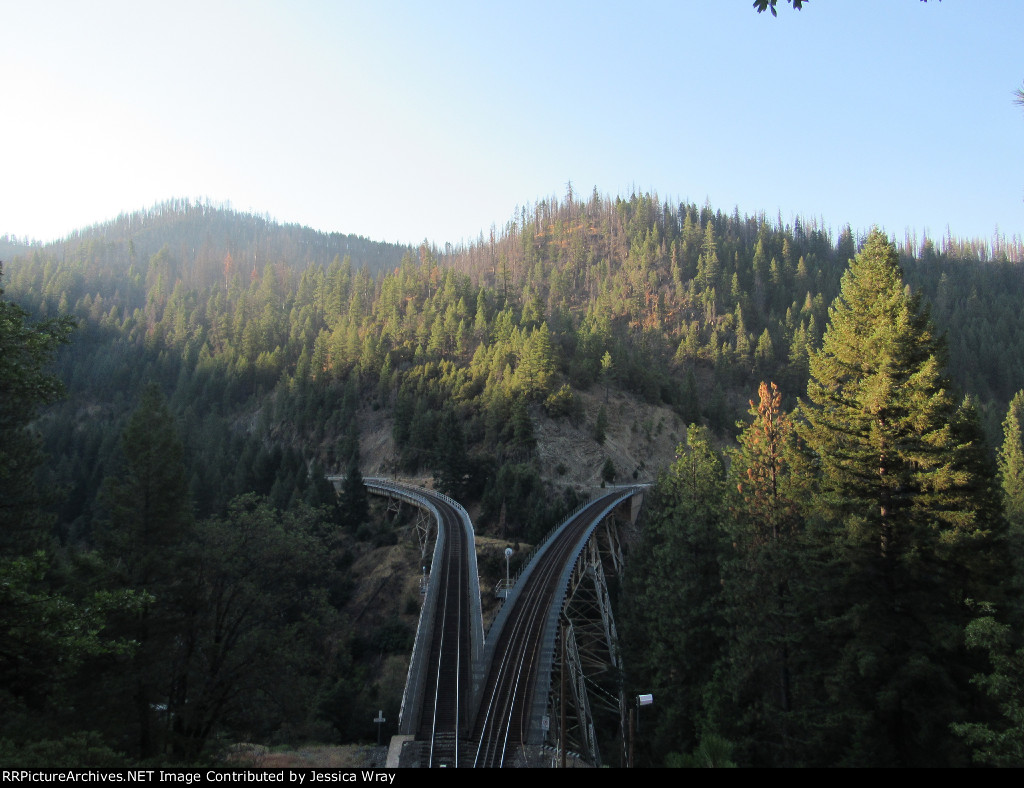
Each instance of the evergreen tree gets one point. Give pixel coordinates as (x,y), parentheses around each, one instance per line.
(893,482)
(148,504)
(981,565)
(607,372)
(451,470)
(320,493)
(25,387)
(536,364)
(1011,465)
(353,500)
(144,543)
(608,471)
(45,632)
(1011,481)
(523,438)
(673,634)
(765,688)
(1000,743)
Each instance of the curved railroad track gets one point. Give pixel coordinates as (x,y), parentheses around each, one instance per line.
(450,632)
(448,647)
(449,662)
(502,722)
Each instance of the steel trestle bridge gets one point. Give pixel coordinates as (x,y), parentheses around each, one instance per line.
(526,694)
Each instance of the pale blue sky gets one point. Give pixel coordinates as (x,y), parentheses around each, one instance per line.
(402,121)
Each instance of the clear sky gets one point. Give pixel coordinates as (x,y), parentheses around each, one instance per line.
(402,121)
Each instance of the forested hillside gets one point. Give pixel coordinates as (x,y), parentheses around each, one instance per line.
(240,360)
(802,598)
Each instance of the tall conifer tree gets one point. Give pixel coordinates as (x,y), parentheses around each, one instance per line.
(1011,463)
(25,387)
(144,543)
(760,574)
(673,590)
(766,694)
(1011,480)
(353,500)
(895,484)
(44,634)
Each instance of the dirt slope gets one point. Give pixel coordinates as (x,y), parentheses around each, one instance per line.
(640,438)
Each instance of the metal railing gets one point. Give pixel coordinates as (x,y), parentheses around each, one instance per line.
(424,630)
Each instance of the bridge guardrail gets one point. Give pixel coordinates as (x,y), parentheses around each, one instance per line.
(543,685)
(499,620)
(424,629)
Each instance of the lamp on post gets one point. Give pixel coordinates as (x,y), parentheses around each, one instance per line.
(508,582)
(634,720)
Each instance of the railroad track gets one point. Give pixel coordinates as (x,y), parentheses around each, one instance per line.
(449,637)
(448,679)
(450,633)
(502,722)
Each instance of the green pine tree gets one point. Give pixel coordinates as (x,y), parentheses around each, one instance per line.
(524,440)
(353,500)
(894,486)
(673,592)
(607,372)
(144,543)
(1001,742)
(1010,461)
(536,367)
(601,426)
(46,631)
(1011,464)
(25,387)
(451,470)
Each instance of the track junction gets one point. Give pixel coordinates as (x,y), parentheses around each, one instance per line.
(528,693)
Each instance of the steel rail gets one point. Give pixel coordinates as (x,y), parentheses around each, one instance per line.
(449,643)
(450,632)
(509,682)
(502,720)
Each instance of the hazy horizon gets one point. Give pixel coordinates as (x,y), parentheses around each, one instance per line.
(401,122)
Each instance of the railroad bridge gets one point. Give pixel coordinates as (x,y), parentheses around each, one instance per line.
(544,683)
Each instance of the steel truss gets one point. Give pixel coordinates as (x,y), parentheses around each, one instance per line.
(424,525)
(586,686)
